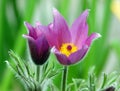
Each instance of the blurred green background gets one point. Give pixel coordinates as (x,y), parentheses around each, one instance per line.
(104,18)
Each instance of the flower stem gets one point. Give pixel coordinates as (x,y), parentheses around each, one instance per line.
(38,73)
(64,79)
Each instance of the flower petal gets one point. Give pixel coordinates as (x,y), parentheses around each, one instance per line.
(42,44)
(51,36)
(39,50)
(31,30)
(77,56)
(61,57)
(79,29)
(72,59)
(92,37)
(60,28)
(33,51)
(40,29)
(28,37)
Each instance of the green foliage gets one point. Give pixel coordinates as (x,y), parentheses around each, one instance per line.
(116,47)
(26,72)
(111,80)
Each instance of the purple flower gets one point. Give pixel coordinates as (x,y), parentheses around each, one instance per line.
(70,44)
(38,44)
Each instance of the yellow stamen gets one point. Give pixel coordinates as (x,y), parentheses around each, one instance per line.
(68,48)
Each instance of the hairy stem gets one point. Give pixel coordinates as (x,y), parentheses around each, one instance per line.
(38,73)
(64,79)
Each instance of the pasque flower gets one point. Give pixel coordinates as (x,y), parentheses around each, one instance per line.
(38,44)
(70,44)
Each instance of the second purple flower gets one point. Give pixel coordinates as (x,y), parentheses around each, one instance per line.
(38,44)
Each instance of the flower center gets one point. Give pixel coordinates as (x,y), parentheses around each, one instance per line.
(68,48)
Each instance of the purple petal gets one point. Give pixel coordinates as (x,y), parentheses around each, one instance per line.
(28,37)
(42,44)
(61,57)
(33,51)
(73,58)
(31,30)
(38,23)
(79,29)
(50,26)
(60,28)
(43,48)
(51,36)
(77,56)
(40,29)
(39,49)
(92,37)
